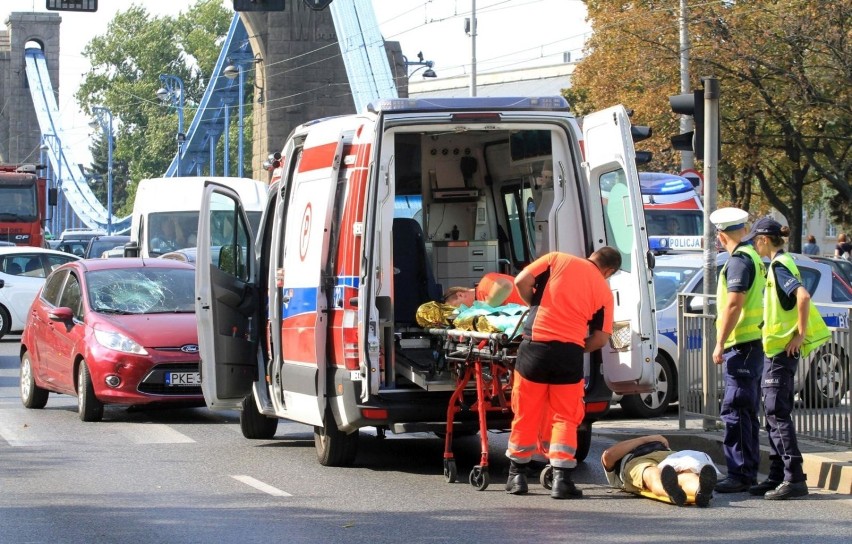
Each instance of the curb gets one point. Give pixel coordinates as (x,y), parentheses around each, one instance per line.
(827,470)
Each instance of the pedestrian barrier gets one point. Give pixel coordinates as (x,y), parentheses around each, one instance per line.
(823,407)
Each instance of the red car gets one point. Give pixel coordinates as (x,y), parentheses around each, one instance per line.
(113,331)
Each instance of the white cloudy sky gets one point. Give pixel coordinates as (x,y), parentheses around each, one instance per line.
(511,34)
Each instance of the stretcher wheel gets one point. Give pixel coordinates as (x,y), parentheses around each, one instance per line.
(479,478)
(451,473)
(546,477)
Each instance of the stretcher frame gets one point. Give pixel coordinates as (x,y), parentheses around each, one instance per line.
(488,359)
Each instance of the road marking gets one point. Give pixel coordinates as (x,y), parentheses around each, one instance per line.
(260,486)
(150,433)
(18,433)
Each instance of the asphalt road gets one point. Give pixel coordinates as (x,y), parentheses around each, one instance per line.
(188,475)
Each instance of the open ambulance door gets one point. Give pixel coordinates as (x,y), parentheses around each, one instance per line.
(226,298)
(305,290)
(618,221)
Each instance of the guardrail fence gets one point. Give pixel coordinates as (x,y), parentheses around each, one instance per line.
(823,408)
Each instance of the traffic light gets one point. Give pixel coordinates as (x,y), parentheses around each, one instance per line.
(637,134)
(258,5)
(690,104)
(71,5)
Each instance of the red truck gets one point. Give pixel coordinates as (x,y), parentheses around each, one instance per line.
(23,205)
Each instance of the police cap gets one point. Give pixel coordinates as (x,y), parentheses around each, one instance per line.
(729,219)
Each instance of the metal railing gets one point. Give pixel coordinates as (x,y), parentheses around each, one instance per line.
(823,403)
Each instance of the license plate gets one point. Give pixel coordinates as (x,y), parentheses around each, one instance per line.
(183,379)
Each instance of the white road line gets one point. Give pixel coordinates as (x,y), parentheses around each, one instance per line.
(150,433)
(260,486)
(18,433)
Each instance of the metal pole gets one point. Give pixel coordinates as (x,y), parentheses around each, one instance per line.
(240,123)
(711,168)
(687,158)
(226,170)
(473,48)
(210,135)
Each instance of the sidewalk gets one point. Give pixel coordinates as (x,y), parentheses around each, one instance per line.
(827,466)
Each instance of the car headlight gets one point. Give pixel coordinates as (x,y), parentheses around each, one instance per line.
(118,342)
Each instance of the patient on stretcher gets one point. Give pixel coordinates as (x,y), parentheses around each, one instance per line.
(479,317)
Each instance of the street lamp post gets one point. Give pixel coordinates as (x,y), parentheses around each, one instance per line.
(233,71)
(103,118)
(172,92)
(427,64)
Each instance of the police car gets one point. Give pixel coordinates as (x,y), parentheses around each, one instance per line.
(826,373)
(673,213)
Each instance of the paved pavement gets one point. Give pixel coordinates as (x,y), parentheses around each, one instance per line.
(827,466)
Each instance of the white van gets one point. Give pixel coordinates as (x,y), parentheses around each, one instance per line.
(314,319)
(165,211)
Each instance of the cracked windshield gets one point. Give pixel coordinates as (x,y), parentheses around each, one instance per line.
(141,291)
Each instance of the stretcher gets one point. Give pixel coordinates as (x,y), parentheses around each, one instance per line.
(487,360)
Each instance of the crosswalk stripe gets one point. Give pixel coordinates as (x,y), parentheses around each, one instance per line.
(260,486)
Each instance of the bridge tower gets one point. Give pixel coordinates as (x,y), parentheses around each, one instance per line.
(20,135)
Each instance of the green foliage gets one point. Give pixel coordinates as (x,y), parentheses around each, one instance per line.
(784,71)
(127,61)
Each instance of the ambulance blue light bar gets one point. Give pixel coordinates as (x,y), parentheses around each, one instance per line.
(470,103)
(655,183)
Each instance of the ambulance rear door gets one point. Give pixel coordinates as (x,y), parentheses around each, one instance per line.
(618,221)
(306,283)
(226,302)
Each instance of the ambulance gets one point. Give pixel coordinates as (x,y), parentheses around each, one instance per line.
(313,320)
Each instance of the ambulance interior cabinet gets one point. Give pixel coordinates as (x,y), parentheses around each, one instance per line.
(463,263)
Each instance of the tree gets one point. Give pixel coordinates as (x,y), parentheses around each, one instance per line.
(127,61)
(785,71)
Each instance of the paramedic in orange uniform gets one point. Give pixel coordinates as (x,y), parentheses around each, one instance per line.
(571,310)
(493,289)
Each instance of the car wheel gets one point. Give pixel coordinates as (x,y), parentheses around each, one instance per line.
(5,321)
(255,425)
(334,447)
(88,406)
(584,441)
(826,383)
(656,403)
(32,395)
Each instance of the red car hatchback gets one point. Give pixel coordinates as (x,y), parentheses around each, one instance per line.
(113,331)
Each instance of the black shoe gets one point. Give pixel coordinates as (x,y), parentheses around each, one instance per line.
(563,486)
(787,490)
(706,483)
(668,477)
(517,482)
(763,487)
(732,485)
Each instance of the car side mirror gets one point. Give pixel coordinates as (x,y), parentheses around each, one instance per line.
(131,249)
(61,314)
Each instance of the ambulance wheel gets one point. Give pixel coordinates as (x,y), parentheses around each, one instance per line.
(584,441)
(253,424)
(451,472)
(479,478)
(334,447)
(546,477)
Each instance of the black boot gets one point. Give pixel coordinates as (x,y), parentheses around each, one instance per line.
(563,486)
(517,482)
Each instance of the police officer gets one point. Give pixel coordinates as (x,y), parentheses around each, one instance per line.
(792,328)
(738,345)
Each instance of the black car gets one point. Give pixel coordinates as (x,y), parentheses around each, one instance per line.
(99,244)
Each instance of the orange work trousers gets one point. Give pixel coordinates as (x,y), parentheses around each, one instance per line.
(537,404)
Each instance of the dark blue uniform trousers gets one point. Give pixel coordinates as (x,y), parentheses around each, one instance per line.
(740,406)
(785,458)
